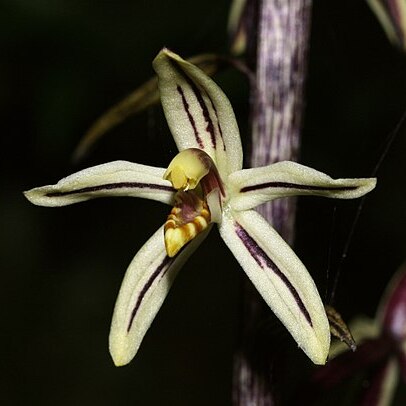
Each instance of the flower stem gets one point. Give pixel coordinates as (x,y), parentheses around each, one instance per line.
(276,110)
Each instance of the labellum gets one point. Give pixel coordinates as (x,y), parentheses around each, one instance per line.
(188,218)
(195,176)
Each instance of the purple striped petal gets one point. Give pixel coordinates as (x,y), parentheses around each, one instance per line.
(117,178)
(280,278)
(252,187)
(147,282)
(198,112)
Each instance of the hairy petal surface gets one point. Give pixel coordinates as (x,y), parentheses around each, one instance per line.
(145,286)
(280,278)
(119,178)
(199,114)
(252,187)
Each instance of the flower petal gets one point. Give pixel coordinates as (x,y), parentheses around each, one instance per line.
(281,279)
(117,178)
(252,187)
(145,286)
(391,314)
(382,387)
(392,16)
(198,112)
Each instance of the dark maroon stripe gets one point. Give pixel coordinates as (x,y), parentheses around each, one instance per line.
(218,121)
(261,257)
(110,186)
(189,116)
(199,97)
(162,267)
(289,185)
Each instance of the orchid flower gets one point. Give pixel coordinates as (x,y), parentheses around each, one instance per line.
(381,348)
(205,184)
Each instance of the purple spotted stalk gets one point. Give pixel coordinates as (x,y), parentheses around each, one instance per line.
(278,35)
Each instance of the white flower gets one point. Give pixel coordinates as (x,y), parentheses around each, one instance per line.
(206,185)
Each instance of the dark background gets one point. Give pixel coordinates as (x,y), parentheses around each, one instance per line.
(64,62)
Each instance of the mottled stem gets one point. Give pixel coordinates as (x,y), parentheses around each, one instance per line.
(277,105)
(278,99)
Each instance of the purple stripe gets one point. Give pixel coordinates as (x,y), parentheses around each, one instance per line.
(289,185)
(111,186)
(199,97)
(218,121)
(260,257)
(189,116)
(162,267)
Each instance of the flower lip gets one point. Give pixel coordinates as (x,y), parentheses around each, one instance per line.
(188,218)
(192,212)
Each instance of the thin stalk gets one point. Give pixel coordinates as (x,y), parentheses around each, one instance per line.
(282,40)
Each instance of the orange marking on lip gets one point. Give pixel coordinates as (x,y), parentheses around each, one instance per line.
(177,232)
